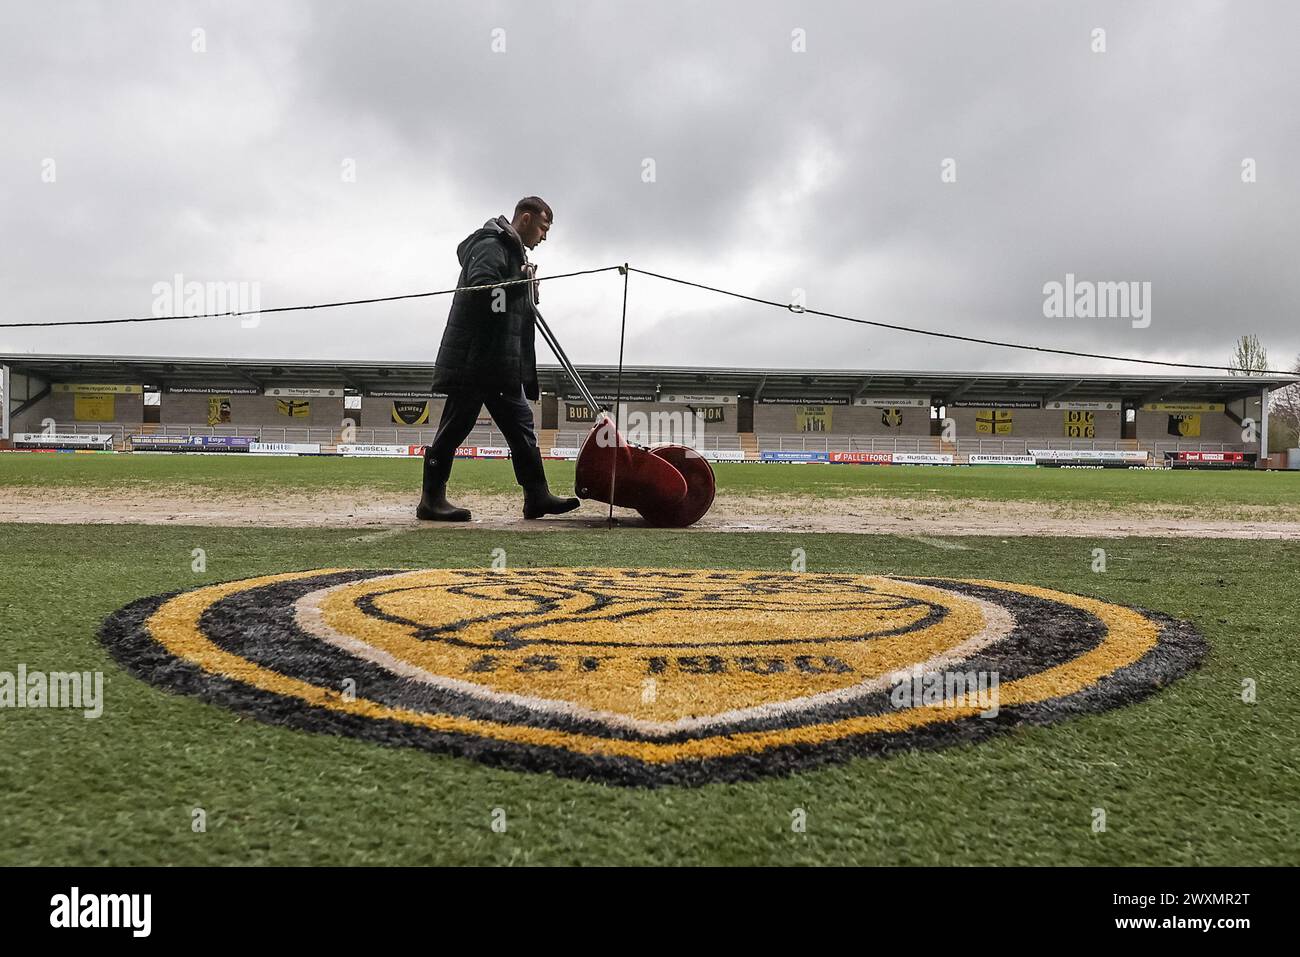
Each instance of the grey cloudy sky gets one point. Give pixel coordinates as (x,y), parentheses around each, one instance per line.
(775,170)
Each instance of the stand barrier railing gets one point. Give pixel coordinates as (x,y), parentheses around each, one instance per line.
(807,442)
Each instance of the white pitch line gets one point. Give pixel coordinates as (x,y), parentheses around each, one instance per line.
(938,543)
(379,536)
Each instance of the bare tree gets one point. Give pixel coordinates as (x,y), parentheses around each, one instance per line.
(1284,407)
(1249,357)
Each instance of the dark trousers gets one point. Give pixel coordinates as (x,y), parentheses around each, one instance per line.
(512,415)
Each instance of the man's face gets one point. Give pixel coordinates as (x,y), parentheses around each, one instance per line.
(533,228)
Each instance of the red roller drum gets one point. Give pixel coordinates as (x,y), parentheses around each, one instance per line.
(640,477)
(700,487)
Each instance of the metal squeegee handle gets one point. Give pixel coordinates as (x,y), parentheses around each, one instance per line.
(565,364)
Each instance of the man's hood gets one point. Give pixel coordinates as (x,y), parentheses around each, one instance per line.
(499,227)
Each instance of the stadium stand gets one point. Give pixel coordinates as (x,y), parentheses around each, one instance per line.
(730,414)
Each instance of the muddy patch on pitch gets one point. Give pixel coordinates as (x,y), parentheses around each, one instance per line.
(880,515)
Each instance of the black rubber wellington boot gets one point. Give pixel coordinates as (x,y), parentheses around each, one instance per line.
(434,506)
(538,500)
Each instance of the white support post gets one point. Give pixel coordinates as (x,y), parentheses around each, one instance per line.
(1263,425)
(4,402)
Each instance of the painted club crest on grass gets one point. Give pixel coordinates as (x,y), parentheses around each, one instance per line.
(648,677)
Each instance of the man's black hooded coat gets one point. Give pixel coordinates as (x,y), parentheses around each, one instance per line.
(483,350)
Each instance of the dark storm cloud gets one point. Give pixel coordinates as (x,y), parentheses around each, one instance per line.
(775,170)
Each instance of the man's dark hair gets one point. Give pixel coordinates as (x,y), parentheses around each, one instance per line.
(535,205)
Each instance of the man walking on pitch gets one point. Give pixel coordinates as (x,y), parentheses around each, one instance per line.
(487,358)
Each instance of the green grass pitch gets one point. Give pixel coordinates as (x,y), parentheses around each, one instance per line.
(1193,775)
